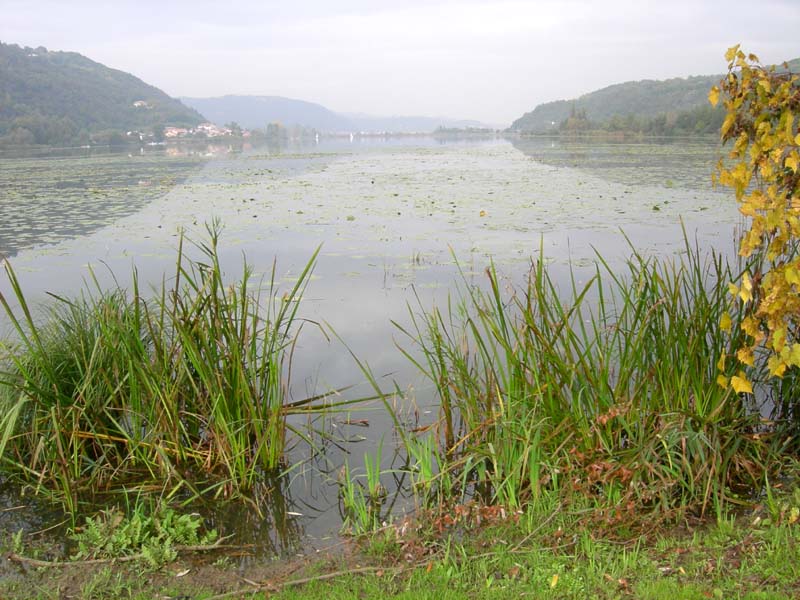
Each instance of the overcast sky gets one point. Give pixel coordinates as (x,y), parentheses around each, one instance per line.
(487,60)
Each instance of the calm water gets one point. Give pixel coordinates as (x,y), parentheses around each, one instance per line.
(391,215)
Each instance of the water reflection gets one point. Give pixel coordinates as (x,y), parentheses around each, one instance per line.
(668,162)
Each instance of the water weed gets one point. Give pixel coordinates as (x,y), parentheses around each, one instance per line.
(185,389)
(607,389)
(361,504)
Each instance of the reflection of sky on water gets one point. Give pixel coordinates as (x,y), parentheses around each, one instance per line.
(388,217)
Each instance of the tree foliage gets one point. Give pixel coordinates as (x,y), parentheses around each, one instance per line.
(700,120)
(762,106)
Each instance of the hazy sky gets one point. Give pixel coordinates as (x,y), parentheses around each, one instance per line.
(487,60)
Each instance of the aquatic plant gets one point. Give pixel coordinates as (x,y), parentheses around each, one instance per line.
(188,388)
(361,505)
(606,389)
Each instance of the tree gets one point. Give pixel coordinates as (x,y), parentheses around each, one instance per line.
(762,107)
(236,129)
(158,132)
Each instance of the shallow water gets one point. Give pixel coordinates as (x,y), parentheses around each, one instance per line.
(390,215)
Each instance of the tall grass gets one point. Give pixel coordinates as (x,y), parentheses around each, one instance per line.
(183,390)
(607,389)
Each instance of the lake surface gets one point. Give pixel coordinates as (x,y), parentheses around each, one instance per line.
(392,217)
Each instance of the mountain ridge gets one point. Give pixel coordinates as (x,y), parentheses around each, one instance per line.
(257,111)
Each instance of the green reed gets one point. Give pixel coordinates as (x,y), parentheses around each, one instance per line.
(607,389)
(113,390)
(361,504)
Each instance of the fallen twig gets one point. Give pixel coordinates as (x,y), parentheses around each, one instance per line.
(274,587)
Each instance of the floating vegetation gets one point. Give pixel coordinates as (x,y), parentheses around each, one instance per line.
(49,199)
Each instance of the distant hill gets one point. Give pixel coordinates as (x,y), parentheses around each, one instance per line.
(56,97)
(368,123)
(792,65)
(640,100)
(256,112)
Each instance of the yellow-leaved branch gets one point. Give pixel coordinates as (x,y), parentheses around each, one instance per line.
(762,107)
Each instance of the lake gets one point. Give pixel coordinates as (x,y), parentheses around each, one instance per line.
(398,220)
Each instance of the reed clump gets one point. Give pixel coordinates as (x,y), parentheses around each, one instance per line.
(114,390)
(603,392)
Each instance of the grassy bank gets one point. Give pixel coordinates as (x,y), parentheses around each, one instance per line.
(544,553)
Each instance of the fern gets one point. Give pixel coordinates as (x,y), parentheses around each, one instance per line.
(112,534)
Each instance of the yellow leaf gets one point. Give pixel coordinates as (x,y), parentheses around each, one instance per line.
(776,365)
(713,96)
(728,123)
(553,581)
(778,338)
(792,275)
(746,291)
(725,322)
(764,84)
(745,356)
(792,161)
(731,52)
(794,355)
(740,384)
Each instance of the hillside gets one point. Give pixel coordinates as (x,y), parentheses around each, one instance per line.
(646,98)
(641,102)
(256,112)
(58,97)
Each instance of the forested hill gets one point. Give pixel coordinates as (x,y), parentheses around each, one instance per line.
(639,98)
(640,103)
(59,97)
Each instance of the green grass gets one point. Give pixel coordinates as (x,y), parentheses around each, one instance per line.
(182,391)
(739,557)
(542,553)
